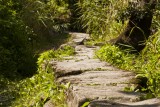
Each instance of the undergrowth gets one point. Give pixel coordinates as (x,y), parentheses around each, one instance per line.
(146,64)
(36,91)
(114,55)
(40,88)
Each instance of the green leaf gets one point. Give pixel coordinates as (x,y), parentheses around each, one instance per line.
(85,104)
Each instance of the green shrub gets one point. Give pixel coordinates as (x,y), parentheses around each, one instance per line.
(114,55)
(66,51)
(15,47)
(42,87)
(151,64)
(55,54)
(36,91)
(24,26)
(146,64)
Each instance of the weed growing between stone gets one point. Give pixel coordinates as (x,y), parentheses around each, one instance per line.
(85,104)
(146,64)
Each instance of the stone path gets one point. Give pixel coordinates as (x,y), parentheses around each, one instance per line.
(95,81)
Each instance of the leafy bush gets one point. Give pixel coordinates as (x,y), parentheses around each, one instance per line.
(57,54)
(15,46)
(151,64)
(40,88)
(25,25)
(114,55)
(146,64)
(36,91)
(66,51)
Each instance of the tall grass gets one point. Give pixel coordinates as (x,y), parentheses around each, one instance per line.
(98,16)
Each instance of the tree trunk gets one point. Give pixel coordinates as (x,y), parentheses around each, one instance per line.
(137,30)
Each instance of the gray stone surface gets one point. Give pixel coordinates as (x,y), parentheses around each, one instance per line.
(100,85)
(96,81)
(78,38)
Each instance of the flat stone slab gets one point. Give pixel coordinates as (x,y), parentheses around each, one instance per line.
(100,85)
(78,38)
(76,67)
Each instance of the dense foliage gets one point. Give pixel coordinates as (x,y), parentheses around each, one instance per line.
(24,26)
(15,46)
